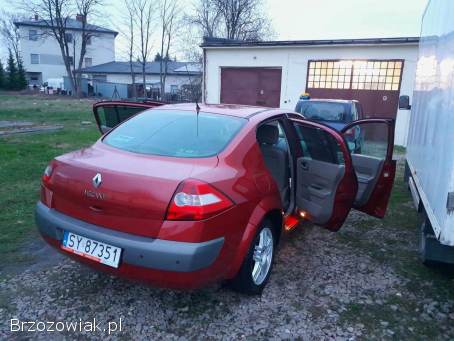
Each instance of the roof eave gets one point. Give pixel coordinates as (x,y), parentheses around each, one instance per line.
(106,31)
(138,73)
(315,43)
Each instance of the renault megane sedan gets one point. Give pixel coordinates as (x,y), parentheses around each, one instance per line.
(184,195)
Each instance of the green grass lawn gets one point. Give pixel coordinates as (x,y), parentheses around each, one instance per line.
(24,157)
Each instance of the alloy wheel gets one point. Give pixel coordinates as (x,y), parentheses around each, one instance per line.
(263,256)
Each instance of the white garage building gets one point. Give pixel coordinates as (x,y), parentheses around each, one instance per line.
(275,73)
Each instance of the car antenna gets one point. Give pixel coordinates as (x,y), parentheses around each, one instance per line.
(197,109)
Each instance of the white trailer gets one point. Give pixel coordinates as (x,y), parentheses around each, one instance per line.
(430,150)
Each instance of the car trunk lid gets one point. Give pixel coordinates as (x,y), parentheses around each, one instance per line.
(131,193)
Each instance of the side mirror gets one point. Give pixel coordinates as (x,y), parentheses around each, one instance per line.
(404,102)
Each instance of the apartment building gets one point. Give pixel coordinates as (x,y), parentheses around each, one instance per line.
(41,53)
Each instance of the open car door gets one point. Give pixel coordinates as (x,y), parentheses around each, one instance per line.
(326,183)
(371,144)
(109,114)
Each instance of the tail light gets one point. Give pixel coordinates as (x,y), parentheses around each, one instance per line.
(46,193)
(47,173)
(196,200)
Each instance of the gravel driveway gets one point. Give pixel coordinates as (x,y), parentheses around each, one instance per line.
(364,282)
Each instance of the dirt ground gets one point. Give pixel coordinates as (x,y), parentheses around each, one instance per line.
(364,282)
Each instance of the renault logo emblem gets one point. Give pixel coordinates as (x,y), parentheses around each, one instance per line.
(97,180)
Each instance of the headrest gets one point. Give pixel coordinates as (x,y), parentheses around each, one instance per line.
(268,134)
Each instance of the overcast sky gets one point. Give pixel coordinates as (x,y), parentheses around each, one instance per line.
(318,19)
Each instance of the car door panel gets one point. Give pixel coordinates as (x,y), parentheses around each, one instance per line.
(373,164)
(317,183)
(377,203)
(367,171)
(326,183)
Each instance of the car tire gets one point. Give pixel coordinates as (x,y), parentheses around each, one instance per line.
(258,263)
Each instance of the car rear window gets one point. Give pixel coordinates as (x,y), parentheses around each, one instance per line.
(175,133)
(323,111)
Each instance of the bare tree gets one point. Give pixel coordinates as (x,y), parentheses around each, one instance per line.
(56,15)
(10,32)
(232,19)
(192,90)
(142,13)
(85,9)
(169,12)
(206,17)
(243,19)
(131,45)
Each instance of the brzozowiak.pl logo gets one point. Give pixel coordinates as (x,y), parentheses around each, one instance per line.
(91,326)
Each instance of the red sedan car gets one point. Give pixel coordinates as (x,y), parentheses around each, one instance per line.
(183,195)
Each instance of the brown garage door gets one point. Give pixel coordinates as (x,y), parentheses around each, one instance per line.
(251,86)
(375,83)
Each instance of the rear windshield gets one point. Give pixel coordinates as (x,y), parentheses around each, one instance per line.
(323,111)
(175,133)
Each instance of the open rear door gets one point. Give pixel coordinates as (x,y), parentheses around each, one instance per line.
(326,183)
(109,114)
(371,144)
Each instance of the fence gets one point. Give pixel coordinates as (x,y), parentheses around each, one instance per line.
(103,89)
(97,88)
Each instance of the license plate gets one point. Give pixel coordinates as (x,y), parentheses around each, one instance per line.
(91,249)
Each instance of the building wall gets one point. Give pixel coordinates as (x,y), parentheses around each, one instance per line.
(294,62)
(101,50)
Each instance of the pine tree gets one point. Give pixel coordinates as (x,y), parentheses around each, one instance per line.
(21,78)
(2,76)
(11,73)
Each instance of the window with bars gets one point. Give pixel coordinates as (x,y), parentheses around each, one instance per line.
(330,74)
(355,74)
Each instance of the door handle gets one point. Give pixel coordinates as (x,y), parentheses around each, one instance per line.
(304,166)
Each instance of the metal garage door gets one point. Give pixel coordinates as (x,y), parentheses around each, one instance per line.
(251,86)
(375,83)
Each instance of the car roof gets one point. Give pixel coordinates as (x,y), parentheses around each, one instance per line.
(237,110)
(331,100)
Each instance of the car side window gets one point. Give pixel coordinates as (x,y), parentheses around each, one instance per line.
(369,139)
(318,144)
(110,116)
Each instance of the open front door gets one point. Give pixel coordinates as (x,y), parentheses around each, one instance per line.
(371,144)
(109,114)
(326,183)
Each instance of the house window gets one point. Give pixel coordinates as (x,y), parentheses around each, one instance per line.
(173,89)
(88,62)
(355,74)
(33,35)
(34,58)
(71,60)
(69,38)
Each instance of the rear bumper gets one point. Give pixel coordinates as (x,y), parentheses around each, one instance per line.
(138,252)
